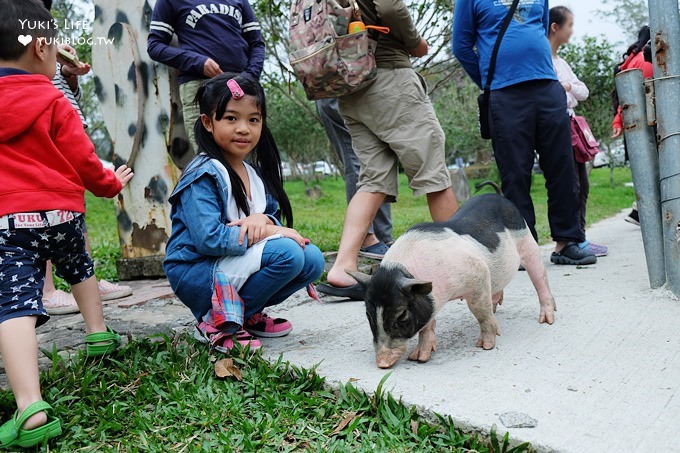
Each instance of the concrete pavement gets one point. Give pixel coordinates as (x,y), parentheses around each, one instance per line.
(604,378)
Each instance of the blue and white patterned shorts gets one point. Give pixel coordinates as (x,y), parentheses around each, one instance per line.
(23,254)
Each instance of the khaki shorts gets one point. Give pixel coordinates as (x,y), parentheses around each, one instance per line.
(393,121)
(190,110)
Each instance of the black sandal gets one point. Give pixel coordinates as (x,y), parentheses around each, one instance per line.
(354,292)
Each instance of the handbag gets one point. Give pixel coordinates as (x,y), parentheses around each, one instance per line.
(483,99)
(582,140)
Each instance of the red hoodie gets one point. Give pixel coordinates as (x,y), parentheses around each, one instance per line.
(46,159)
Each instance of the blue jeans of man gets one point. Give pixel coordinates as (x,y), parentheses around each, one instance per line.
(341,140)
(286,268)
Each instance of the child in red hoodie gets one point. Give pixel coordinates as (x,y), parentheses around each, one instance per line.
(46,163)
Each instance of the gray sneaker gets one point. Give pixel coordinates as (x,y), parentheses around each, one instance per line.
(376,251)
(573,255)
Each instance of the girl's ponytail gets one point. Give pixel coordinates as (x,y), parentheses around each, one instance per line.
(269,163)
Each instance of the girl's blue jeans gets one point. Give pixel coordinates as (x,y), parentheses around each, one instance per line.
(286,268)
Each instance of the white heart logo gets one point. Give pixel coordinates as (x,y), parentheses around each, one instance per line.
(25,39)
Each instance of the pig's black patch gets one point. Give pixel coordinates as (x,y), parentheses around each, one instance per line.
(483,218)
(406,308)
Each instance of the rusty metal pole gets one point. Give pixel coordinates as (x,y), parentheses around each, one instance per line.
(142,111)
(665,28)
(644,162)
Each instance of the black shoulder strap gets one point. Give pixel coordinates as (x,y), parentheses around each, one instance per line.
(494,54)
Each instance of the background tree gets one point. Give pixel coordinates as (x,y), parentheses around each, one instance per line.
(456,106)
(300,138)
(593,60)
(434,22)
(630,15)
(70,18)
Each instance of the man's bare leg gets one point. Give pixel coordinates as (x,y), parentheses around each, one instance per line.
(442,204)
(360,213)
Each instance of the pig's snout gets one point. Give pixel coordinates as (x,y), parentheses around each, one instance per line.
(386,357)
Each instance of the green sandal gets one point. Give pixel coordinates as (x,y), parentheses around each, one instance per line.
(11,434)
(102,343)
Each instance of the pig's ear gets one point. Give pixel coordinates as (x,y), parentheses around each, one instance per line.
(415,286)
(360,277)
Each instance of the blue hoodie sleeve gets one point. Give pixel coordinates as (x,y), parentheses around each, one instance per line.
(464,38)
(210,237)
(159,49)
(253,36)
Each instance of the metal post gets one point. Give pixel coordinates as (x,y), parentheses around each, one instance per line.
(665,27)
(645,165)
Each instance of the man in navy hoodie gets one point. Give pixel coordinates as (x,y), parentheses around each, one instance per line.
(527,112)
(213,37)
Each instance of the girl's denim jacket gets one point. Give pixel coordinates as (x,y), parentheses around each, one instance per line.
(200,236)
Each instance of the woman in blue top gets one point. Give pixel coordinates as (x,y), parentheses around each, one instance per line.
(527,112)
(229,256)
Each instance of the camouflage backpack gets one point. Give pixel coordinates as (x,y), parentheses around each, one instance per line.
(326,59)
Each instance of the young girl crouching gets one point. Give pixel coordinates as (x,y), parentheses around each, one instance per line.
(229,256)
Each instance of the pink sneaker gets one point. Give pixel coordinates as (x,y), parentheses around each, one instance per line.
(262,325)
(60,303)
(111,291)
(225,342)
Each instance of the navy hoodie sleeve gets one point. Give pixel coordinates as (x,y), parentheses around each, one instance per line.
(161,29)
(464,37)
(253,36)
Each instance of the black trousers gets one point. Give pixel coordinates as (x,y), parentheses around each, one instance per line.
(583,190)
(533,116)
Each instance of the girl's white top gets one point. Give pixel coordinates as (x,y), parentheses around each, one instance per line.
(579,90)
(239,268)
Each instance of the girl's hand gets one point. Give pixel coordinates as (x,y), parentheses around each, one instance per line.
(124,174)
(254,225)
(566,86)
(294,235)
(616,132)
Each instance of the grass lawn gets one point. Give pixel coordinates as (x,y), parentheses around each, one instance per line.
(321,219)
(162,394)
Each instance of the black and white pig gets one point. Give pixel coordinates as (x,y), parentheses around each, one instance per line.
(472,256)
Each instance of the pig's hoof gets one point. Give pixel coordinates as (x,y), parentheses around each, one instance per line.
(487,342)
(548,313)
(422,355)
(546,316)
